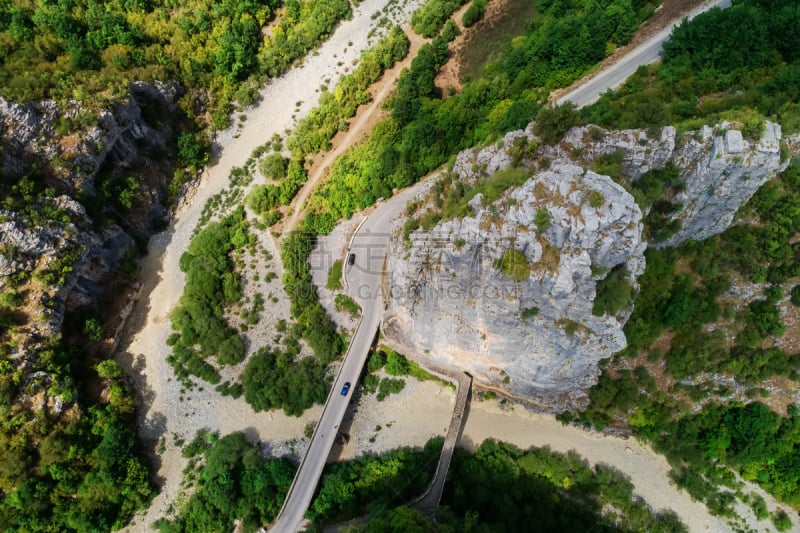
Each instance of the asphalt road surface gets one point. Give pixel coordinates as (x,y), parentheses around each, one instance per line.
(644,54)
(364,285)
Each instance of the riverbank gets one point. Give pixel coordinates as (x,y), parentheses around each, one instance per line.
(169,413)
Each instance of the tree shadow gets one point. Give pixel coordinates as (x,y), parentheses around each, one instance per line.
(154,427)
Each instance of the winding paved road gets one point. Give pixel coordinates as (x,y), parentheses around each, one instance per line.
(364,284)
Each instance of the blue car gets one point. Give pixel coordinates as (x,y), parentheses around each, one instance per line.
(346,388)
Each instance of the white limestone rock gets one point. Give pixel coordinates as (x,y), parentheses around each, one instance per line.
(451,303)
(451,306)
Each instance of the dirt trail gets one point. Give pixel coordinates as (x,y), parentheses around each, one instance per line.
(365,118)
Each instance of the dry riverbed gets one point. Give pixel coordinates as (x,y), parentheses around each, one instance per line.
(171,414)
(419,412)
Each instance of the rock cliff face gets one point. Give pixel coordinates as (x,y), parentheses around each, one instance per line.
(452,300)
(57,253)
(81,142)
(528,328)
(720,169)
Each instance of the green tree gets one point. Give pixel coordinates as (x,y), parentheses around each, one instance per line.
(553,122)
(613,293)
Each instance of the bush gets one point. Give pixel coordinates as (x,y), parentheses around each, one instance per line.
(473,13)
(450,30)
(428,19)
(529,312)
(781,520)
(514,265)
(796,295)
(396,364)
(376,361)
(389,386)
(614,292)
(273,166)
(192,150)
(93,329)
(345,303)
(553,122)
(542,219)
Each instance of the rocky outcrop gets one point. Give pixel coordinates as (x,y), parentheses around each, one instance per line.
(720,169)
(531,332)
(452,301)
(56,253)
(75,143)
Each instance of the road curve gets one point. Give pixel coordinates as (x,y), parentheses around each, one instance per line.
(644,54)
(363,278)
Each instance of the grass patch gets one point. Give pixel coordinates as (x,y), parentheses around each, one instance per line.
(334,282)
(551,257)
(397,365)
(514,265)
(494,36)
(347,304)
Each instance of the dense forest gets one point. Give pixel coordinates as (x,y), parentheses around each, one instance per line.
(676,303)
(78,470)
(495,489)
(89,50)
(746,57)
(71,459)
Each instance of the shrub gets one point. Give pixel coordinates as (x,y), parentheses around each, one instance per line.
(428,19)
(93,329)
(796,295)
(389,386)
(542,219)
(473,13)
(396,364)
(596,199)
(192,150)
(529,312)
(345,303)
(514,265)
(781,520)
(273,166)
(376,361)
(450,30)
(614,292)
(553,122)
